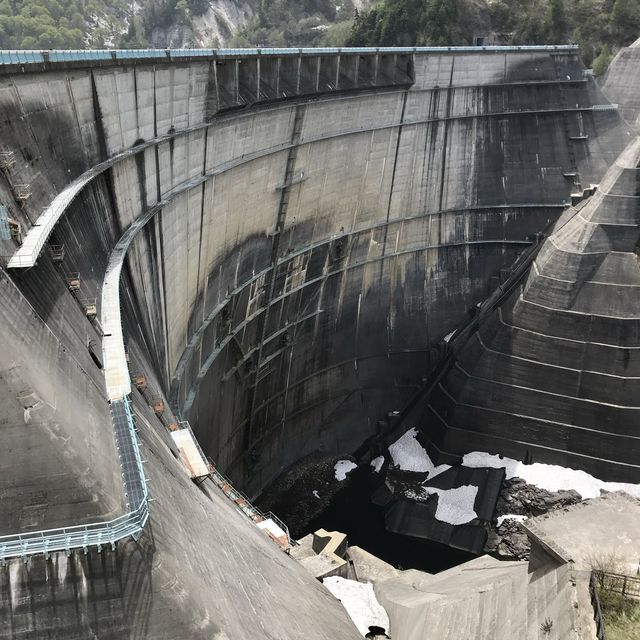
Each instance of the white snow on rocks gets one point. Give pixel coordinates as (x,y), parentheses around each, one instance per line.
(343,467)
(549,476)
(511,516)
(359,601)
(455,506)
(408,454)
(377,463)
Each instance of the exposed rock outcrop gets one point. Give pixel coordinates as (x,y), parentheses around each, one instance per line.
(508,539)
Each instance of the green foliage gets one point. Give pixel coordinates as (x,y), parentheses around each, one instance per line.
(625,20)
(59,24)
(198,7)
(621,616)
(602,61)
(600,27)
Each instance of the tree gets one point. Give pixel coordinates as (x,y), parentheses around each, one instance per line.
(198,7)
(558,20)
(440,23)
(602,61)
(625,20)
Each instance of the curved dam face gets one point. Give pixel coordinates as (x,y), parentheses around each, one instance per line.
(308,226)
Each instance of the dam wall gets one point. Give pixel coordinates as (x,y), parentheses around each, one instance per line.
(621,82)
(551,375)
(308,253)
(302,254)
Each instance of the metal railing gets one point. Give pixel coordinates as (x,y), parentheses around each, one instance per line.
(98,534)
(617,583)
(242,501)
(597,609)
(38,57)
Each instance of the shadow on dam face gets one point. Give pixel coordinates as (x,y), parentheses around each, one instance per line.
(72,596)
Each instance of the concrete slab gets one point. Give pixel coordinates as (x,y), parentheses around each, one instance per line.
(603,527)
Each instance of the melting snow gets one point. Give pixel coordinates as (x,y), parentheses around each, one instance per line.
(359,601)
(511,516)
(377,463)
(343,467)
(408,454)
(455,506)
(549,476)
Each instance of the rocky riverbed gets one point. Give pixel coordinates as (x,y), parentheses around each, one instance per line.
(507,538)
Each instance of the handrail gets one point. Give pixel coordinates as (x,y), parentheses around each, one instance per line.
(242,501)
(96,534)
(40,57)
(597,608)
(618,583)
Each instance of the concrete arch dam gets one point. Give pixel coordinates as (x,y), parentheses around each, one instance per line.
(303,228)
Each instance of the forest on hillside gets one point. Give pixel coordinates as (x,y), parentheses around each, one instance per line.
(600,27)
(84,24)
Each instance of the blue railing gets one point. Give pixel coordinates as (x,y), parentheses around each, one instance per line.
(63,56)
(97,534)
(15,57)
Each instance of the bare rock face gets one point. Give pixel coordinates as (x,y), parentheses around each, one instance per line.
(519,498)
(303,491)
(508,540)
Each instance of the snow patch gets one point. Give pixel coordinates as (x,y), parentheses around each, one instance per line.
(448,336)
(316,494)
(360,602)
(343,467)
(408,454)
(511,516)
(377,463)
(549,476)
(455,506)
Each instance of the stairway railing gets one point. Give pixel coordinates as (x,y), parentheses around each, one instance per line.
(98,534)
(597,609)
(242,501)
